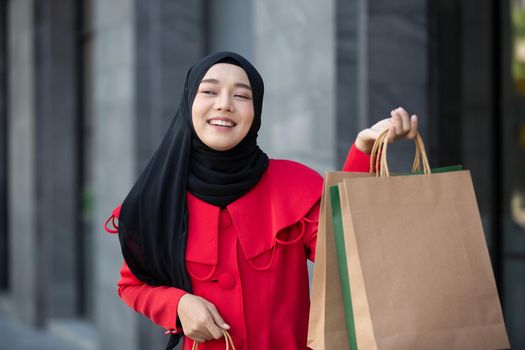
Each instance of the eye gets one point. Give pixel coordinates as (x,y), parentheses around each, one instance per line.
(208,92)
(242,97)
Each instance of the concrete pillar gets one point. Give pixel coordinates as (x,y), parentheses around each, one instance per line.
(347,88)
(3,147)
(476,110)
(230,26)
(295,53)
(43,159)
(141,52)
(382,55)
(462,90)
(24,236)
(398,66)
(169,39)
(113,109)
(57,155)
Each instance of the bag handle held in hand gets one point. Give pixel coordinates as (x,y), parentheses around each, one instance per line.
(379,152)
(227,337)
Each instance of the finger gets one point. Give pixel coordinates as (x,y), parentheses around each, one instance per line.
(405,120)
(399,123)
(382,124)
(217,317)
(214,330)
(396,120)
(201,328)
(413,127)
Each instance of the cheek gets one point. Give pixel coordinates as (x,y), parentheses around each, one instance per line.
(247,116)
(197,114)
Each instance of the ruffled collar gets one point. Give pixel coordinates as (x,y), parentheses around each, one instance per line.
(283,196)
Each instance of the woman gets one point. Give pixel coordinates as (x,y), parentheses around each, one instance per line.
(215,235)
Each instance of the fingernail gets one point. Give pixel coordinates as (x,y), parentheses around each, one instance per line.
(225,325)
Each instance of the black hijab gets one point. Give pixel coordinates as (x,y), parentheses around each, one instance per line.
(153,222)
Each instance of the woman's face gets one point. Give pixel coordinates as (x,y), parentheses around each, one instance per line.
(222,110)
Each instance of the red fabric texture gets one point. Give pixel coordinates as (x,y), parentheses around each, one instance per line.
(249,260)
(159,304)
(357,161)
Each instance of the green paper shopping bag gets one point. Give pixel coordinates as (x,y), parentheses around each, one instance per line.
(327,329)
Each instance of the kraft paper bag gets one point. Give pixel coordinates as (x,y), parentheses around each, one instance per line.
(327,329)
(419,271)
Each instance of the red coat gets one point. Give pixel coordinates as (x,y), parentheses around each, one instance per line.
(249,260)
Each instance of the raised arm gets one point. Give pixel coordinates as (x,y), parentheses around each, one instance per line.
(357,160)
(401,125)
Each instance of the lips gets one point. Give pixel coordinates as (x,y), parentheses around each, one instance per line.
(223,122)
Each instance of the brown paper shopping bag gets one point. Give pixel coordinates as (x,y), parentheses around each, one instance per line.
(418,265)
(327,329)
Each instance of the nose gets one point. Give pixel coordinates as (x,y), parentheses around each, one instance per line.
(224,102)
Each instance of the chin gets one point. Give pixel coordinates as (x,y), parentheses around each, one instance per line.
(220,146)
(221,142)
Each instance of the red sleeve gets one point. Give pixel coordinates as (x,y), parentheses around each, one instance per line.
(158,303)
(357,161)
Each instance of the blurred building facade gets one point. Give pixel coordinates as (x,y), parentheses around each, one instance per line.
(89,86)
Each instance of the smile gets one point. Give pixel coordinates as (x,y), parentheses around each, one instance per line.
(222,122)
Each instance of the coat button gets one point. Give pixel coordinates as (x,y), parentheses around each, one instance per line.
(226,281)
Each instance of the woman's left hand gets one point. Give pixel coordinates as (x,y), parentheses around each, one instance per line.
(400,126)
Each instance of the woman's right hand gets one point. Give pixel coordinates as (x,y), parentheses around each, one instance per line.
(200,319)
(400,126)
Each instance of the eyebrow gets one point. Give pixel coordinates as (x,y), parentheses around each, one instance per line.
(216,81)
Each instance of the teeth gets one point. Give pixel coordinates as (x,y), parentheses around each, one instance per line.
(221,123)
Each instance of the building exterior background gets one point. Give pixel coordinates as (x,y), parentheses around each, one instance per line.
(89,86)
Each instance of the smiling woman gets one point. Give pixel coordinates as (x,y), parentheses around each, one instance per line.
(215,236)
(222,110)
